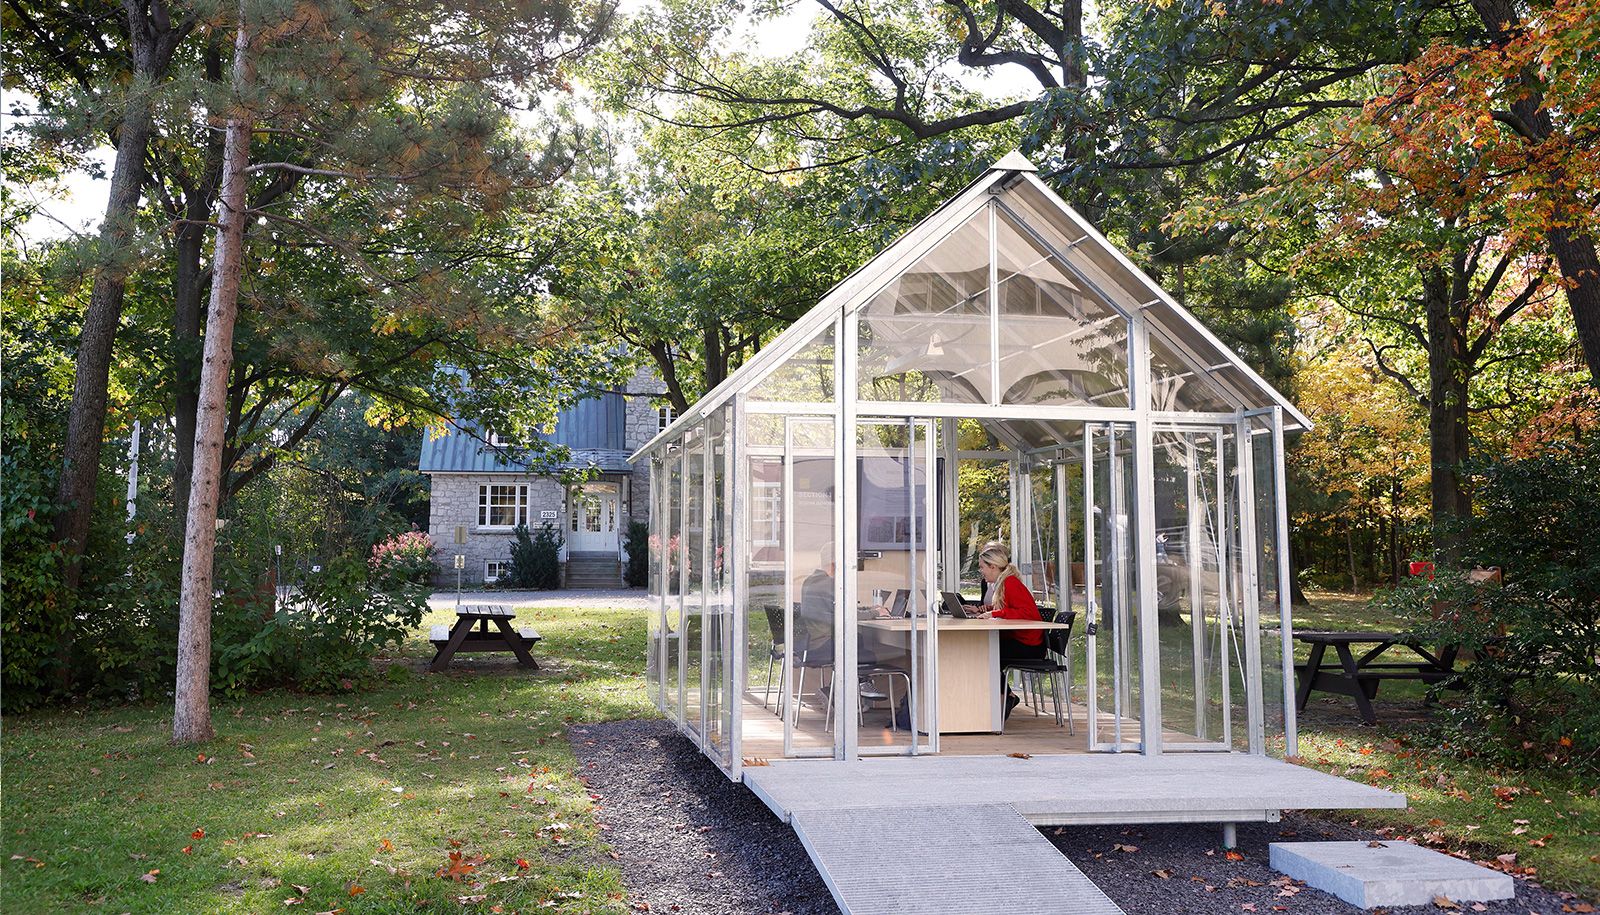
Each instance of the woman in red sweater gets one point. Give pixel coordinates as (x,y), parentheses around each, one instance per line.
(1012,601)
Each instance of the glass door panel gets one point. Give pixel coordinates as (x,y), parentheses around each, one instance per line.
(808,584)
(694,523)
(1198,645)
(1111,636)
(895,582)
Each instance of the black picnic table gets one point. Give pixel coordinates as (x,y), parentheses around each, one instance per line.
(464,638)
(1359,677)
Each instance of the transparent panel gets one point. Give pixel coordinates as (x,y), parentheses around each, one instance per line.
(806,376)
(719,610)
(694,523)
(1177,384)
(1273,693)
(1234,600)
(926,336)
(810,583)
(653,604)
(894,583)
(1112,551)
(1197,661)
(1060,343)
(673,634)
(765,636)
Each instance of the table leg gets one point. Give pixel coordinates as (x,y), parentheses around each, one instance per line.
(514,639)
(1313,665)
(458,634)
(1348,662)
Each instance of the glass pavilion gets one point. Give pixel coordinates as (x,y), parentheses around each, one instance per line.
(1000,372)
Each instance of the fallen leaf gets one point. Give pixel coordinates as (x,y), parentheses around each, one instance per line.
(1163,874)
(198,834)
(385,845)
(354,889)
(188,849)
(150,875)
(1444,902)
(471,900)
(1376,844)
(1020,755)
(1234,856)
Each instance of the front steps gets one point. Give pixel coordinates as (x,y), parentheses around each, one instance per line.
(593,571)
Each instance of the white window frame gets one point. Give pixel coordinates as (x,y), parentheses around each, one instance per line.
(489,564)
(519,506)
(766,513)
(664,417)
(496,441)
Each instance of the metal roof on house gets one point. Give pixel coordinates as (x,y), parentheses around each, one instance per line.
(593,430)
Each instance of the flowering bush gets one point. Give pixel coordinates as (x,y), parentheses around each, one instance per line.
(407,556)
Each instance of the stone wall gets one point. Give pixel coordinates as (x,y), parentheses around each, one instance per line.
(454,501)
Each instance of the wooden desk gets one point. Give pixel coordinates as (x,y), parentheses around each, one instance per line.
(463,638)
(970,700)
(1359,677)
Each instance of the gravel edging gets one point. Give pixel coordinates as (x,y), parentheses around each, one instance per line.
(688,840)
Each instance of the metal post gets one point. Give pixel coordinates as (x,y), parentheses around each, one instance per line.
(1291,733)
(1144,533)
(845,513)
(1230,835)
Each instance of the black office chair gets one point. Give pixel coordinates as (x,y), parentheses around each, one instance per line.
(775,652)
(1056,666)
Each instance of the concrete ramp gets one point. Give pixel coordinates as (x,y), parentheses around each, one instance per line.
(978,859)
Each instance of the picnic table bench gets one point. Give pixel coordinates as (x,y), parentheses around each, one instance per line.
(463,637)
(1359,677)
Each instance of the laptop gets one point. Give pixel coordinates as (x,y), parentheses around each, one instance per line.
(953,605)
(897,607)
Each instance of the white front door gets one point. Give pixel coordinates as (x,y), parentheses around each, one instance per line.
(592,517)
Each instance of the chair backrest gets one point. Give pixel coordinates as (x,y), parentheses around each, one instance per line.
(774,622)
(1058,639)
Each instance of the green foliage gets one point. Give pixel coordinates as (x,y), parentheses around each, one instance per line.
(638,549)
(523,560)
(323,636)
(35,618)
(1534,688)
(544,557)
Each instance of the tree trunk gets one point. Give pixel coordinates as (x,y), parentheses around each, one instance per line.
(86,418)
(188,286)
(1574,253)
(1580,267)
(191,721)
(1350,554)
(152,40)
(1448,371)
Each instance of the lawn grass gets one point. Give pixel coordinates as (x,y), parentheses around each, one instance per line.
(1546,817)
(360,798)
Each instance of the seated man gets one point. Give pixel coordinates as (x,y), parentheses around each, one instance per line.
(815,619)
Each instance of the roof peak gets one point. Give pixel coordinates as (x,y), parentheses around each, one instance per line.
(1013,161)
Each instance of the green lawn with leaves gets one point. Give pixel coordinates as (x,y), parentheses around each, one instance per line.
(355,802)
(1545,817)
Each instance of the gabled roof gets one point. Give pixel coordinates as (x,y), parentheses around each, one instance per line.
(1014,182)
(592,429)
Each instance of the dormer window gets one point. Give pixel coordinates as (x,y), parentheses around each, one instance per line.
(496,440)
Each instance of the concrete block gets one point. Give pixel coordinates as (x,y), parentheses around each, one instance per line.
(1369,874)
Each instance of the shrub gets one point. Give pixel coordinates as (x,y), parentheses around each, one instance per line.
(638,548)
(408,556)
(1534,687)
(30,581)
(547,557)
(322,636)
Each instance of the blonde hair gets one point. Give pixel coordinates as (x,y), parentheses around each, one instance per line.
(999,555)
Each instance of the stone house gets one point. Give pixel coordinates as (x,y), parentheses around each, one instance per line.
(480,493)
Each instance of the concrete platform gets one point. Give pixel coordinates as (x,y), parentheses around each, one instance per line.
(960,859)
(1085,789)
(1371,874)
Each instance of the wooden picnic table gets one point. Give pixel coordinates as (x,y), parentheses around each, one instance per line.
(463,637)
(1359,677)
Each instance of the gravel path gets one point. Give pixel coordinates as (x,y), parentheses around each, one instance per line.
(691,841)
(623,599)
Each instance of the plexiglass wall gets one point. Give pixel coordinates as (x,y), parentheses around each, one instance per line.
(990,393)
